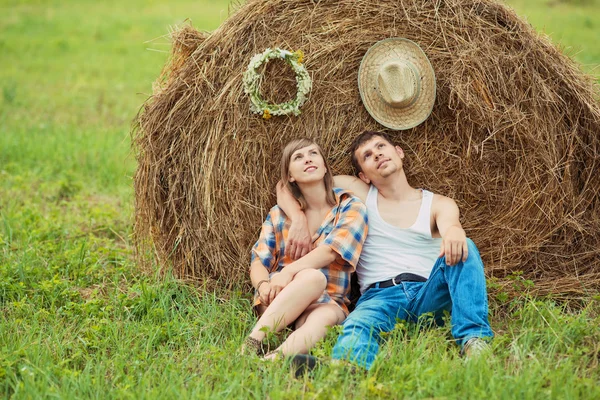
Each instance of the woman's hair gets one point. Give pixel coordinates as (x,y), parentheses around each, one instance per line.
(286,158)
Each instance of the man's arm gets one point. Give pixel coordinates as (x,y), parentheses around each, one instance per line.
(454,239)
(345,240)
(298,239)
(353,184)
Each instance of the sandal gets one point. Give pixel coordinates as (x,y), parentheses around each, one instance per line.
(253,346)
(272,355)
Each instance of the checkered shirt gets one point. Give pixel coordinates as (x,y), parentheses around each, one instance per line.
(344,229)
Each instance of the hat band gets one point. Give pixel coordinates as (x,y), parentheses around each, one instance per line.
(397,99)
(416,93)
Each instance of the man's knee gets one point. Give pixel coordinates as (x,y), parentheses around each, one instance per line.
(354,331)
(312,277)
(471,245)
(472,248)
(474,258)
(361,325)
(358,343)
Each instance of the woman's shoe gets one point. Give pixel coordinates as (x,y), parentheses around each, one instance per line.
(253,346)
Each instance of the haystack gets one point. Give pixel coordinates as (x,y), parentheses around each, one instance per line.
(513,137)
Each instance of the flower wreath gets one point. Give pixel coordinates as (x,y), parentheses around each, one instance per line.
(252,83)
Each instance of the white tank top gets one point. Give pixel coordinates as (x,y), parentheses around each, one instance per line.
(389,251)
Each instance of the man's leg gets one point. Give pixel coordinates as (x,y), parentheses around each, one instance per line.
(461,290)
(375,312)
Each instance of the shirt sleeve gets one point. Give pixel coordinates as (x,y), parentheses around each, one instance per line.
(264,248)
(350,232)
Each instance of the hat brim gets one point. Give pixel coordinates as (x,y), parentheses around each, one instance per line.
(390,117)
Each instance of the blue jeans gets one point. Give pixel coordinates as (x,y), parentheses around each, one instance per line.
(459,289)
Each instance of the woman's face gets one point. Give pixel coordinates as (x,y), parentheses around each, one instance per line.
(307,165)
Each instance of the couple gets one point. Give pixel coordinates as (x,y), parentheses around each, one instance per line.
(415,256)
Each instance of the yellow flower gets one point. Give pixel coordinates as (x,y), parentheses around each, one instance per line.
(266,114)
(299,56)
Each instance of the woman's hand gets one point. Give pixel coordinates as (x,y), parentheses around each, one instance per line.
(279,280)
(263,293)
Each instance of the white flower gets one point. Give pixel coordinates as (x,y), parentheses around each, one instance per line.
(251,79)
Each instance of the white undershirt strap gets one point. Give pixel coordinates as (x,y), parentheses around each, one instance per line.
(389,251)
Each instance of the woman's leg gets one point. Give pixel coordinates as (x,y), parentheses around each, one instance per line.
(260,310)
(306,287)
(311,327)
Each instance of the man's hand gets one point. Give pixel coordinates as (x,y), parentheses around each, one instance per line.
(454,245)
(298,241)
(279,280)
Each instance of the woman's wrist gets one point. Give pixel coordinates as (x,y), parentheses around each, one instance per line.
(260,283)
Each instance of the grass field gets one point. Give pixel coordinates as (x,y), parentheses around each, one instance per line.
(81,320)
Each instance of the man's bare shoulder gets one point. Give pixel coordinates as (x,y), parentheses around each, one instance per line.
(443,203)
(353,184)
(440,198)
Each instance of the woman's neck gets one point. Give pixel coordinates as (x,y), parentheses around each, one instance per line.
(315,195)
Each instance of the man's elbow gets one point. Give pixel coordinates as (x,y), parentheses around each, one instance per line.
(279,190)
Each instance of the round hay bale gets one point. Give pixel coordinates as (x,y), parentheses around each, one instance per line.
(513,136)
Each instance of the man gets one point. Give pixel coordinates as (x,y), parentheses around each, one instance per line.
(416,258)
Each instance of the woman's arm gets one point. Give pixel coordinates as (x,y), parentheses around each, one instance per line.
(264,255)
(299,239)
(345,240)
(320,257)
(260,281)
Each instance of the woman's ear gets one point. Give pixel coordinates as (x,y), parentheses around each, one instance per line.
(291,180)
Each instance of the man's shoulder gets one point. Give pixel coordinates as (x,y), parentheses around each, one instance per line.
(441,199)
(441,203)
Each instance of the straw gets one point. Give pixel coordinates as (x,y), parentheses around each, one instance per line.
(513,136)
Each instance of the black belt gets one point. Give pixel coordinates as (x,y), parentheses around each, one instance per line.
(406,277)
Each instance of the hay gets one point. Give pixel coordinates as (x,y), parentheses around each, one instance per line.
(513,136)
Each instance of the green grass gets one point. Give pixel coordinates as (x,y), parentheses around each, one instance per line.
(572,24)
(73,76)
(81,320)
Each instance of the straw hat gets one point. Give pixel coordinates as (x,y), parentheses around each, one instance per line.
(397,83)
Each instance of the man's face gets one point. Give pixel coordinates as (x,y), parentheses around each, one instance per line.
(378,159)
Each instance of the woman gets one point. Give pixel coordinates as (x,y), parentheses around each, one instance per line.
(310,292)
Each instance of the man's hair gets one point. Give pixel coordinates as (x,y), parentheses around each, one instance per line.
(286,158)
(362,139)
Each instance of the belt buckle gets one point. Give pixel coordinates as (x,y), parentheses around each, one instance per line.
(394,281)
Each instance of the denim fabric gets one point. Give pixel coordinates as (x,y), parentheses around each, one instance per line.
(459,289)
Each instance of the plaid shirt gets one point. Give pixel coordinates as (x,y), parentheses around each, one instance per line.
(344,230)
